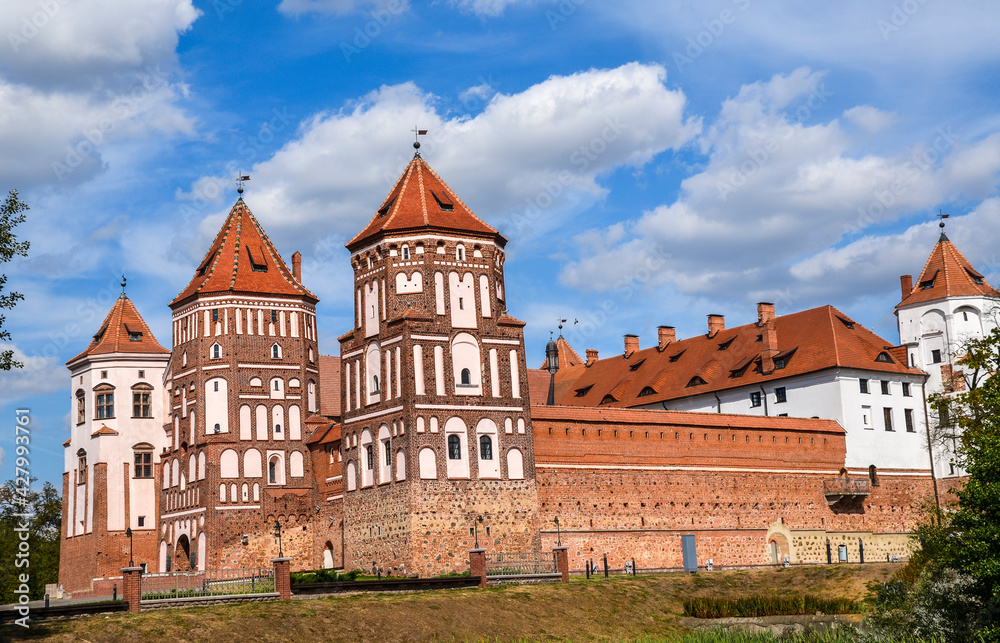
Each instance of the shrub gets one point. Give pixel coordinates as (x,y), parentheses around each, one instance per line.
(762,605)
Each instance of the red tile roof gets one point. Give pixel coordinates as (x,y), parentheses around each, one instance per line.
(326,431)
(947,274)
(243,259)
(104,430)
(807,341)
(420,201)
(123,331)
(538,385)
(329,386)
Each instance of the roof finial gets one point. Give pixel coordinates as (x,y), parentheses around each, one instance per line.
(942,217)
(417,133)
(123,287)
(241,178)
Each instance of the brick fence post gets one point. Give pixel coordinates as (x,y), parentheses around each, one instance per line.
(562,561)
(283,577)
(132,590)
(477,565)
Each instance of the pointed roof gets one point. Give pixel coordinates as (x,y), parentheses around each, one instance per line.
(420,200)
(242,259)
(947,273)
(123,331)
(807,341)
(567,356)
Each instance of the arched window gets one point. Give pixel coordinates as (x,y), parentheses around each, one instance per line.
(515,465)
(218,428)
(352,477)
(454,447)
(375,388)
(229,464)
(466,377)
(216,351)
(104,401)
(485,447)
(406,253)
(275,352)
(400,465)
(81,406)
(143,455)
(272,470)
(428,464)
(460,253)
(873,475)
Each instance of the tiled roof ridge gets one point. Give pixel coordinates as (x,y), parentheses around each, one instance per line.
(836,345)
(423,197)
(402,182)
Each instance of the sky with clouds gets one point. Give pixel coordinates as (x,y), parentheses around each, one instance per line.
(650,162)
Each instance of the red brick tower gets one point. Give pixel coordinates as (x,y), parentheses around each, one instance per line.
(242,379)
(437,425)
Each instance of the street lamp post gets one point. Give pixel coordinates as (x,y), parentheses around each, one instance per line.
(475,528)
(128,532)
(277,534)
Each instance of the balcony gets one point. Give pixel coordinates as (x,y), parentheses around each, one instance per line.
(845,490)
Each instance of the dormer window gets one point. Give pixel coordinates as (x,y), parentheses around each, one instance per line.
(927,284)
(846,322)
(696,381)
(257,267)
(100,334)
(384,210)
(635,367)
(608,399)
(884,357)
(724,345)
(582,392)
(676,356)
(648,390)
(133,335)
(444,205)
(976,279)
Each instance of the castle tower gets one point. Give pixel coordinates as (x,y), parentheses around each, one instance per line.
(949,303)
(437,426)
(111,456)
(242,379)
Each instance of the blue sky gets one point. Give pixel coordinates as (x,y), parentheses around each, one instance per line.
(651,162)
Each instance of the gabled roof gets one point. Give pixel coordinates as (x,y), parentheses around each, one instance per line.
(420,201)
(807,341)
(104,430)
(947,273)
(242,259)
(123,331)
(567,356)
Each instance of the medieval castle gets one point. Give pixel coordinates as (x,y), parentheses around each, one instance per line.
(792,435)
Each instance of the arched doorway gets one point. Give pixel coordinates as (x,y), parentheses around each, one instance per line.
(328,555)
(182,555)
(777,547)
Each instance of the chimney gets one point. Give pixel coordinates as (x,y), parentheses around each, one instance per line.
(906,285)
(666,334)
(631,344)
(297,266)
(765,312)
(716,323)
(591,356)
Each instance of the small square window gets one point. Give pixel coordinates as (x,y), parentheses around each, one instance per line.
(906,389)
(142,375)
(936,356)
(864,385)
(104,375)
(142,521)
(754,399)
(779,395)
(885,388)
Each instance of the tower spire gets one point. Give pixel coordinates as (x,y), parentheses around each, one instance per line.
(942,217)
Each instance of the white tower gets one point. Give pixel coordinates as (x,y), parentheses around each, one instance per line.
(949,303)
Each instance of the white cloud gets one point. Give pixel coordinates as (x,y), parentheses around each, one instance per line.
(39,376)
(490,8)
(870,119)
(776,190)
(543,149)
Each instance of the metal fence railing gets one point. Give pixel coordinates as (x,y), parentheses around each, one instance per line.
(209,582)
(521,563)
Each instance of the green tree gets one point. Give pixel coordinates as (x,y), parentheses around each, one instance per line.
(40,513)
(11,214)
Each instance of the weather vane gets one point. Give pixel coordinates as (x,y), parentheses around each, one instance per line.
(123,283)
(241,179)
(942,217)
(417,133)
